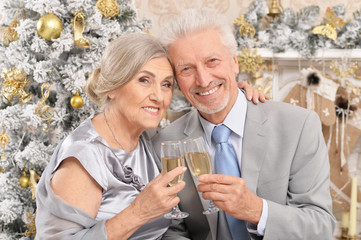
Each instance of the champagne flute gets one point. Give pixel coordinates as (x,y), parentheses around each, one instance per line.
(172,157)
(199,163)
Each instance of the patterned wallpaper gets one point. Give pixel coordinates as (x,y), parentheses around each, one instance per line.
(159,11)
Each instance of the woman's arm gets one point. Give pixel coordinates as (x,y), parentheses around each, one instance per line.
(74,184)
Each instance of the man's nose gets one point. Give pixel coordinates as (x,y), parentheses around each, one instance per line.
(202,77)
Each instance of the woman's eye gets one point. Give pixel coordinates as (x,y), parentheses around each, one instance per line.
(143,80)
(168,85)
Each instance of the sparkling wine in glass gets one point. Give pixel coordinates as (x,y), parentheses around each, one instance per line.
(172,157)
(199,163)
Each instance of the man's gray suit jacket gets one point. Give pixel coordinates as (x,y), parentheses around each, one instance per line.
(284,161)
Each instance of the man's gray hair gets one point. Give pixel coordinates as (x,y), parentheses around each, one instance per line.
(195,20)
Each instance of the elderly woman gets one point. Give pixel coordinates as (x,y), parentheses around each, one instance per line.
(103,181)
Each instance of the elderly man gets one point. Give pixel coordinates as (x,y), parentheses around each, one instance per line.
(271,176)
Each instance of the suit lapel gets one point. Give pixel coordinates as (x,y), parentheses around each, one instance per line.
(254,142)
(194,129)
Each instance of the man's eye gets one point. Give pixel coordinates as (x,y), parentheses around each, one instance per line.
(186,71)
(213,62)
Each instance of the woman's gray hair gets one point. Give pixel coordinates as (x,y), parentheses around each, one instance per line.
(121,61)
(195,20)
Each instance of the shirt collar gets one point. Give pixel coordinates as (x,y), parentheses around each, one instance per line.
(235,119)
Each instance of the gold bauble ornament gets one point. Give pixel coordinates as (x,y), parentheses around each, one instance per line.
(49,26)
(76,101)
(24,180)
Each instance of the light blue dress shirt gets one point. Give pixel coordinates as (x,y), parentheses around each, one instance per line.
(235,121)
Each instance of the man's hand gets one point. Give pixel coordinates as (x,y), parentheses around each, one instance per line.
(252,93)
(231,195)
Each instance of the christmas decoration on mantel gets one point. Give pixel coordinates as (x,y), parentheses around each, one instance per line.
(249,61)
(274,10)
(332,23)
(293,30)
(244,27)
(343,73)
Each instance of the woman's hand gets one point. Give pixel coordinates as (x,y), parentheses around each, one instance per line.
(153,201)
(252,93)
(156,198)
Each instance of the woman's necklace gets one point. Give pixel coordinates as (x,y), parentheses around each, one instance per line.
(116,139)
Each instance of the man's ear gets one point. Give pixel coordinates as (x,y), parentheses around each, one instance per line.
(235,66)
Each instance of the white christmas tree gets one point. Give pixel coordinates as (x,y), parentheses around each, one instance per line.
(42,72)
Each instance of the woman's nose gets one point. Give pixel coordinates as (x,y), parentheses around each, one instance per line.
(156,94)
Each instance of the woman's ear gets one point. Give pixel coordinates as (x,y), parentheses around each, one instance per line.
(111,95)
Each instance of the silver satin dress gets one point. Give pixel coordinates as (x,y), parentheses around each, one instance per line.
(121,174)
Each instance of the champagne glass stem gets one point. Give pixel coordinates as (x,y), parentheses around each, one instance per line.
(211,208)
(176,213)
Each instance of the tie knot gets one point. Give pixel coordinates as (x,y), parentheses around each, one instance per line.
(221,134)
